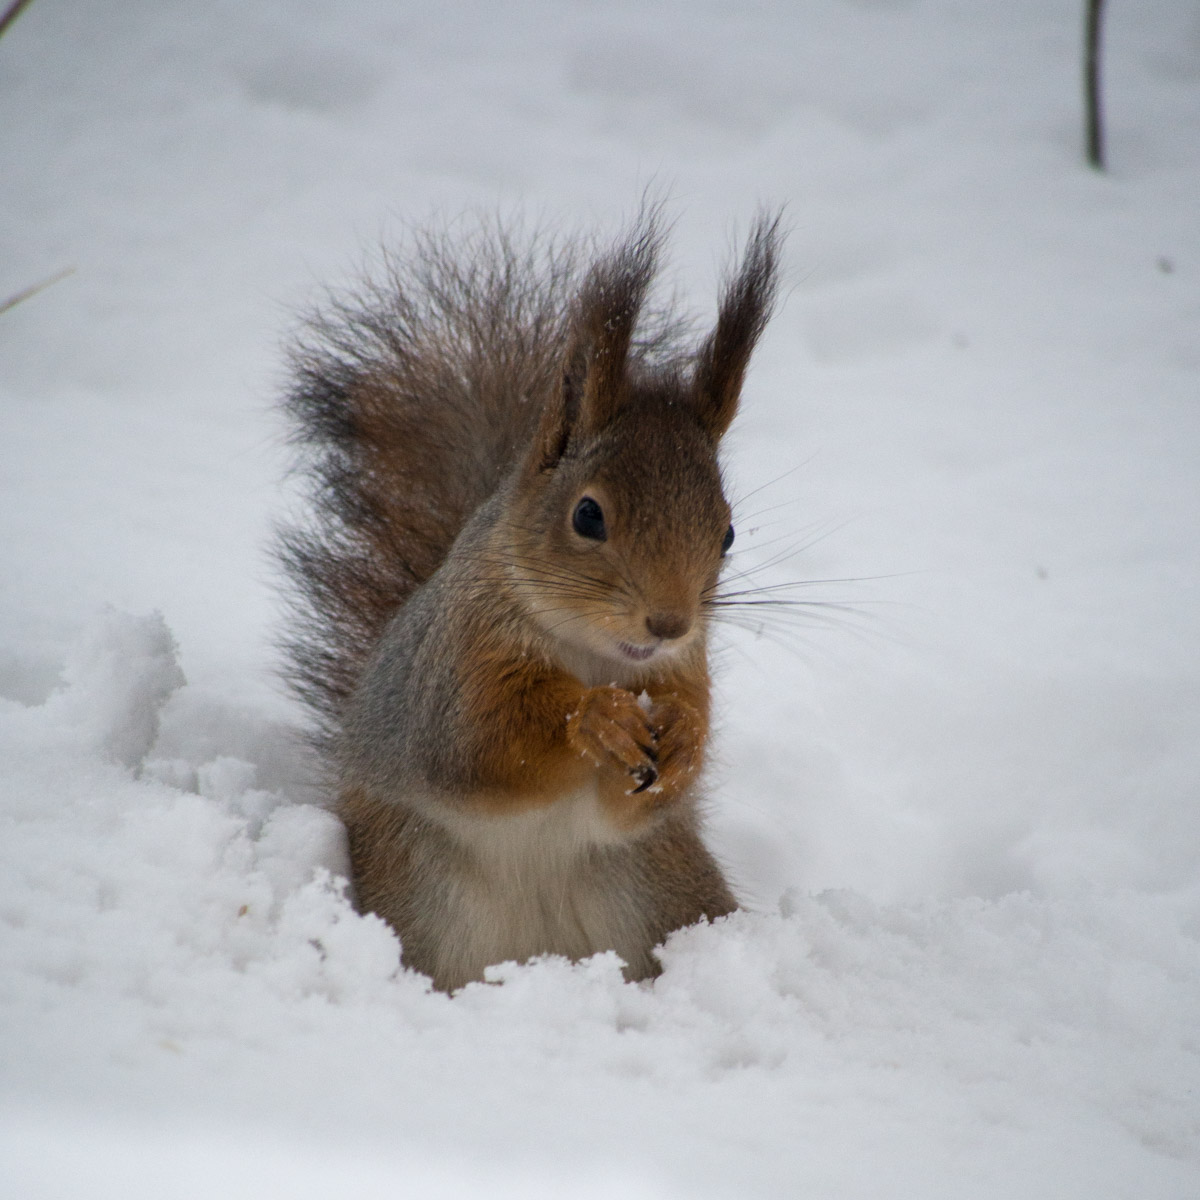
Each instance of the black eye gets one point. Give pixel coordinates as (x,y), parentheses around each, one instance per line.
(588,520)
(727,540)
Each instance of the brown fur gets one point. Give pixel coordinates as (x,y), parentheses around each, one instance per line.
(514,698)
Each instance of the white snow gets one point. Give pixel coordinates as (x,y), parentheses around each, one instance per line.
(964,816)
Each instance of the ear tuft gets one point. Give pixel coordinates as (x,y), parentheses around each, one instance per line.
(746,303)
(605,316)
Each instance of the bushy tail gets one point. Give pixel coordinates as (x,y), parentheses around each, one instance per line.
(410,401)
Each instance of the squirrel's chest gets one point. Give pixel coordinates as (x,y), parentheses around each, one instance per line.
(535,842)
(545,881)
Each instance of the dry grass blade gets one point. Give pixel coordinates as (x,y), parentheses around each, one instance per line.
(11,13)
(33,289)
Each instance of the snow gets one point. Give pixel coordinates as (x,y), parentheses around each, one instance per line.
(963,815)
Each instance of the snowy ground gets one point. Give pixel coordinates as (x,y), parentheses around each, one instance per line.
(965,818)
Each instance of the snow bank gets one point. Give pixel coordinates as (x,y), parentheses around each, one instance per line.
(180,956)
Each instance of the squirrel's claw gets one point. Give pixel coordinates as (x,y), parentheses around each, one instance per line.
(647,775)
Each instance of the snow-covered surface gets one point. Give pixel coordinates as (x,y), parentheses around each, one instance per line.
(964,816)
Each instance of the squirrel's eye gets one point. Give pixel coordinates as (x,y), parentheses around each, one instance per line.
(727,540)
(588,520)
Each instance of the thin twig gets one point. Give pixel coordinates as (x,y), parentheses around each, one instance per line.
(1091,77)
(11,13)
(33,289)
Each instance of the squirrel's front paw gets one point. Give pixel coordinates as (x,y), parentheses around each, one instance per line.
(609,727)
(679,734)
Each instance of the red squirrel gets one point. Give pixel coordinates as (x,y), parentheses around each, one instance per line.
(503,589)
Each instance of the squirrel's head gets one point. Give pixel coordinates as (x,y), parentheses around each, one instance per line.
(621,519)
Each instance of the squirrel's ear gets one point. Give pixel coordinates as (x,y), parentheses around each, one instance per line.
(746,304)
(594,384)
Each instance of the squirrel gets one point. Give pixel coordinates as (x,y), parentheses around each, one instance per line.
(502,591)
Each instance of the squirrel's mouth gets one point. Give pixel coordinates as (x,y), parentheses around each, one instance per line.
(637,653)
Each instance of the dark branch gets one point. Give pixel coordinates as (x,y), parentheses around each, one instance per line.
(1091,84)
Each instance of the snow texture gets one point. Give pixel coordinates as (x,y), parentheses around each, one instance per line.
(959,794)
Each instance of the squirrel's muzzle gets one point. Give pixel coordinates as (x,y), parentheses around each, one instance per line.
(668,625)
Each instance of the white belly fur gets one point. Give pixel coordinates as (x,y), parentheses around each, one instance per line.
(528,888)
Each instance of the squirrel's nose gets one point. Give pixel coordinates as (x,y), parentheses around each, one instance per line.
(668,624)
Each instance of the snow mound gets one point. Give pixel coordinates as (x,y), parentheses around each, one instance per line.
(178,943)
(118,680)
